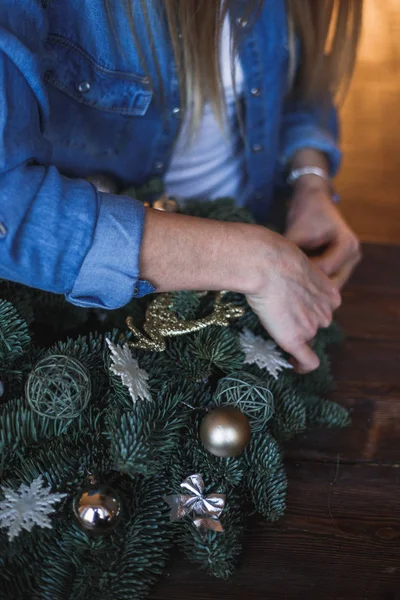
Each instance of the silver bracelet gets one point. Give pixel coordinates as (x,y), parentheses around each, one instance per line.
(295,174)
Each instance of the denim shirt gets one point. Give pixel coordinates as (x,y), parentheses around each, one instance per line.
(77,98)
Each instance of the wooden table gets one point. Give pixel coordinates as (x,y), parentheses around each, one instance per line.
(340,537)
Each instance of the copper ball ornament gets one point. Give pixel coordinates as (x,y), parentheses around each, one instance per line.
(97,509)
(225,431)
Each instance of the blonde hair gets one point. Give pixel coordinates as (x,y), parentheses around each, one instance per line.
(328,30)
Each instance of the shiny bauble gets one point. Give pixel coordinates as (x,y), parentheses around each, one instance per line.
(97,509)
(104,183)
(166,204)
(225,431)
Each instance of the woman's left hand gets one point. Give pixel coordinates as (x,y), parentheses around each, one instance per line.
(315,224)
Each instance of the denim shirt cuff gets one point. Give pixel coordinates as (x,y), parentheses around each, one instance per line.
(309,136)
(108,277)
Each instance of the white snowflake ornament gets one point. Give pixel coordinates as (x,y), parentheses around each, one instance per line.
(127,367)
(28,506)
(265,354)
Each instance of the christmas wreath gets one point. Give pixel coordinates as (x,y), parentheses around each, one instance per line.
(125,432)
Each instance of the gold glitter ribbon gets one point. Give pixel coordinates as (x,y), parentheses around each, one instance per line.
(161,322)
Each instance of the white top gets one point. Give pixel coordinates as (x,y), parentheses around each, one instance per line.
(212,164)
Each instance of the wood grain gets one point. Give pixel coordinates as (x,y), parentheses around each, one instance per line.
(339,540)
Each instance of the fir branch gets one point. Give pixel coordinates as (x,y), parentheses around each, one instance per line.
(215,552)
(14,335)
(143,438)
(264,454)
(325,413)
(290,414)
(219,347)
(21,427)
(268,492)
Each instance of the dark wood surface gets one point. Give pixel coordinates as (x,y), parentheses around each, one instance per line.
(340,537)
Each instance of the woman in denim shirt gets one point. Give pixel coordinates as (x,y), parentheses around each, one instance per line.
(214,97)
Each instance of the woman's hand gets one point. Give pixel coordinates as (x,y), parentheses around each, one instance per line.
(315,224)
(291,296)
(294,300)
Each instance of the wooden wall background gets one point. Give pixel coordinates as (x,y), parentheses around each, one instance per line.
(370,178)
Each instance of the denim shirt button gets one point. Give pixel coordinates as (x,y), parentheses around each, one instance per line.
(3,230)
(84,87)
(176,111)
(257,148)
(242,22)
(136,291)
(159,165)
(255,91)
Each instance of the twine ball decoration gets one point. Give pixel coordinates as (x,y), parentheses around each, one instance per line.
(59,387)
(249,394)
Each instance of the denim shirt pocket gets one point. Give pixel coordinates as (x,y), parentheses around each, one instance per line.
(75,72)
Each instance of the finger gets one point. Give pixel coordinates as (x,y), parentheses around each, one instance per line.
(333,259)
(302,237)
(342,277)
(325,319)
(304,359)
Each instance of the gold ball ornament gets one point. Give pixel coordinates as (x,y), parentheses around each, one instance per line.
(166,204)
(225,431)
(97,509)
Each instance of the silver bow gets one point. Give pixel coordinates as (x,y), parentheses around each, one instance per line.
(204,510)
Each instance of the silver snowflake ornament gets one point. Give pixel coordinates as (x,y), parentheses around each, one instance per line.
(127,367)
(28,506)
(265,354)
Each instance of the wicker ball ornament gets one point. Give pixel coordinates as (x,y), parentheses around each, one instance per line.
(225,431)
(249,394)
(97,509)
(59,387)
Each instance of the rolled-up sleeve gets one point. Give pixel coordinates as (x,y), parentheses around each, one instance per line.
(56,233)
(109,279)
(313,126)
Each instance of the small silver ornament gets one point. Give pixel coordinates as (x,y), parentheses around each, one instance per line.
(104,183)
(225,431)
(264,353)
(27,506)
(97,509)
(132,376)
(203,510)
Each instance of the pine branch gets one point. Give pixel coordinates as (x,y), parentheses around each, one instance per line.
(215,552)
(268,492)
(264,454)
(144,437)
(219,347)
(325,413)
(14,335)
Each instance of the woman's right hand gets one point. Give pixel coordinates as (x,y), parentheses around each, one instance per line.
(293,299)
(291,296)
